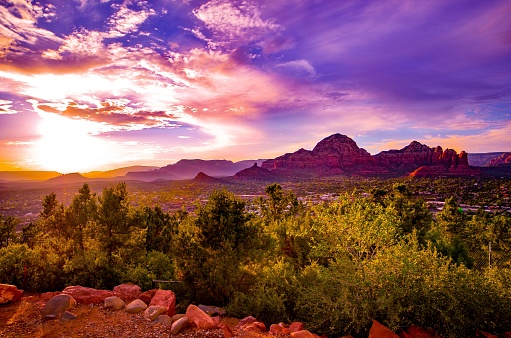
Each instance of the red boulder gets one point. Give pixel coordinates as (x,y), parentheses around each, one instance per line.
(84,295)
(9,293)
(165,298)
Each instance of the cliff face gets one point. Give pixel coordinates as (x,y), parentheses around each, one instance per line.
(339,154)
(502,160)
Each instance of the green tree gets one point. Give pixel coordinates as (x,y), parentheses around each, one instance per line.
(8,230)
(81,213)
(215,246)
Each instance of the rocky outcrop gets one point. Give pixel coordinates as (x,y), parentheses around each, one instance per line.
(254,173)
(9,293)
(502,160)
(204,178)
(335,154)
(339,154)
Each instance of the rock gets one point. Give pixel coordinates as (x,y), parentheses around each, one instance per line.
(179,325)
(164,319)
(204,178)
(154,311)
(254,173)
(255,327)
(177,317)
(113,303)
(380,331)
(46,296)
(415,331)
(296,326)
(67,316)
(166,299)
(57,305)
(507,335)
(302,334)
(136,306)
(127,292)
(84,295)
(244,322)
(200,318)
(9,293)
(212,310)
(226,330)
(483,334)
(279,329)
(147,296)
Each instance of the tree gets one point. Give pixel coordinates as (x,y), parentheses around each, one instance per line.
(7,230)
(81,213)
(113,221)
(215,246)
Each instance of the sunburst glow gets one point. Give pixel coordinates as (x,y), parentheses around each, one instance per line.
(67,146)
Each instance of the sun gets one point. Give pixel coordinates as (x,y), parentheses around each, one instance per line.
(67,145)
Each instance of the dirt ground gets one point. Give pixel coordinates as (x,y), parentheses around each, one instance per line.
(24,319)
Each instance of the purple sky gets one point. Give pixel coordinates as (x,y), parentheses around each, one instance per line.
(98,84)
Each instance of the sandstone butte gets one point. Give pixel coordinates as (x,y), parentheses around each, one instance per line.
(338,154)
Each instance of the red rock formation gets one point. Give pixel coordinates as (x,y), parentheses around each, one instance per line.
(338,154)
(504,159)
(380,331)
(254,173)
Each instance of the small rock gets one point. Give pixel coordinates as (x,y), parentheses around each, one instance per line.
(164,319)
(227,330)
(255,327)
(279,329)
(57,305)
(67,316)
(165,298)
(302,334)
(200,318)
(179,325)
(113,303)
(136,306)
(147,296)
(380,331)
(244,322)
(127,292)
(153,312)
(9,293)
(177,317)
(212,310)
(296,326)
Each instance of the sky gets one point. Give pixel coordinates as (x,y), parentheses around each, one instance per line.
(100,84)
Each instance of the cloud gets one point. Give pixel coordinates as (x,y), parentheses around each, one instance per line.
(231,23)
(127,21)
(5,107)
(18,26)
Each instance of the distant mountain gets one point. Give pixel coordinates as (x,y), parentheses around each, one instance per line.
(188,169)
(13,176)
(339,154)
(118,172)
(68,178)
(483,159)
